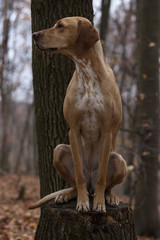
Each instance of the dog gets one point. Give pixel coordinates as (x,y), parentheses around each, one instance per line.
(93,110)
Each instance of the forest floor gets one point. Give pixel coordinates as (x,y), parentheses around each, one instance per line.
(16,194)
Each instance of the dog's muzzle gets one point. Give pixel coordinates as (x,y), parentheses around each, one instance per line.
(36,37)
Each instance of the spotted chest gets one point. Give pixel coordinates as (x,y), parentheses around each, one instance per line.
(90,100)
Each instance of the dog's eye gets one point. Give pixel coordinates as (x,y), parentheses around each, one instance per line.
(59,25)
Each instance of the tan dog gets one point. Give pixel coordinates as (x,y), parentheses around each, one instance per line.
(92,108)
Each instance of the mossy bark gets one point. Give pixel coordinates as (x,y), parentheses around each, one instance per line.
(65,223)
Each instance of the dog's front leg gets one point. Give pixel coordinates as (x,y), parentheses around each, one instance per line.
(76,147)
(99,199)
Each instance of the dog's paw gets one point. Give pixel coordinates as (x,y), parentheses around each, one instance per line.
(83,206)
(66,196)
(112,199)
(61,198)
(99,201)
(99,207)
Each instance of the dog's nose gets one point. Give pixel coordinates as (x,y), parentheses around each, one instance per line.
(36,35)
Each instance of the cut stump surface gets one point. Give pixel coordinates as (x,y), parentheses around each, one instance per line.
(65,223)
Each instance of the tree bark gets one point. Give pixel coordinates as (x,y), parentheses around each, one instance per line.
(105,7)
(5,95)
(146,205)
(65,223)
(51,75)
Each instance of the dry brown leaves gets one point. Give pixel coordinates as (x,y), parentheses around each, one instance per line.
(16,221)
(146,238)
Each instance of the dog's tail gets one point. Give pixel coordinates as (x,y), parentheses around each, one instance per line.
(48,198)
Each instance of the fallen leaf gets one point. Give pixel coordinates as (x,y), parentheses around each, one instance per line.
(144,76)
(142,96)
(152,44)
(3,236)
(146,153)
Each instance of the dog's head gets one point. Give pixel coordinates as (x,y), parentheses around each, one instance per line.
(71,34)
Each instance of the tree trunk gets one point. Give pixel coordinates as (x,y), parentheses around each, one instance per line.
(65,223)
(51,75)
(4,161)
(23,136)
(146,205)
(105,7)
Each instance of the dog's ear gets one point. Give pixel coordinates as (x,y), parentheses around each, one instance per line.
(87,35)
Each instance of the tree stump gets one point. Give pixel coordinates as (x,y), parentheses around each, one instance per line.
(65,223)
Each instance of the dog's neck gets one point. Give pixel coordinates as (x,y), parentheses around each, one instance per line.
(92,63)
(88,79)
(86,75)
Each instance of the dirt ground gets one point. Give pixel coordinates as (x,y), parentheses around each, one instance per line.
(16,194)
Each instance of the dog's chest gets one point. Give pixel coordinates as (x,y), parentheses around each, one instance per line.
(90,101)
(89,95)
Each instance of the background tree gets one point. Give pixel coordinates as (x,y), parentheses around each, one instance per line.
(105,9)
(17,145)
(4,85)
(146,205)
(51,75)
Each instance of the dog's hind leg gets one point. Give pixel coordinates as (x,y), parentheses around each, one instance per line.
(116,173)
(62,161)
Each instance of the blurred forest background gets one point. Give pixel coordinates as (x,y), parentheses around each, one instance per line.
(124,37)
